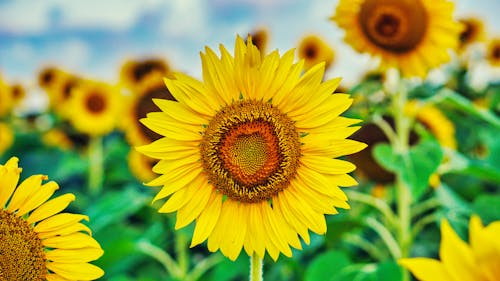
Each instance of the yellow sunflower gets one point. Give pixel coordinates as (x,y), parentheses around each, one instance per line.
(37,241)
(314,50)
(473,31)
(6,100)
(141,165)
(94,107)
(434,120)
(18,93)
(477,261)
(412,35)
(6,137)
(133,72)
(62,93)
(493,54)
(57,138)
(139,104)
(249,153)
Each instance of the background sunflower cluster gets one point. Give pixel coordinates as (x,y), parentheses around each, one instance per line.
(79,125)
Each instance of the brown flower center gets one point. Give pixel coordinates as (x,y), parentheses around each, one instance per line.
(95,103)
(469,32)
(17,92)
(495,53)
(21,251)
(250,151)
(394,25)
(311,51)
(46,77)
(142,69)
(145,105)
(67,88)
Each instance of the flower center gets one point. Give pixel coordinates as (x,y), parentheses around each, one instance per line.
(21,251)
(469,31)
(395,25)
(250,151)
(95,103)
(17,91)
(67,88)
(311,51)
(496,52)
(146,67)
(46,77)
(145,105)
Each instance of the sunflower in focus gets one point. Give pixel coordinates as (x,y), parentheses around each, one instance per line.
(479,260)
(249,153)
(139,104)
(412,35)
(473,31)
(6,137)
(37,241)
(133,72)
(493,54)
(141,165)
(94,108)
(314,50)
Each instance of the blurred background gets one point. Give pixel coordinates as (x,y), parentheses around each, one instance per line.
(54,49)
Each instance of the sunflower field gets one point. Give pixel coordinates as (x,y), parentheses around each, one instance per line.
(372,155)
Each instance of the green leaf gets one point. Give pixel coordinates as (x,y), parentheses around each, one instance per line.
(415,167)
(389,271)
(327,266)
(450,200)
(486,206)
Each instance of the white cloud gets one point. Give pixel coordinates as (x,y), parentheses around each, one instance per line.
(187,18)
(25,16)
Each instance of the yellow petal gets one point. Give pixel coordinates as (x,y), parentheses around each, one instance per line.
(24,191)
(76,271)
(235,230)
(174,184)
(207,220)
(72,241)
(201,193)
(68,229)
(44,193)
(179,112)
(327,165)
(426,269)
(163,147)
(51,207)
(58,221)
(332,148)
(79,255)
(9,173)
(55,277)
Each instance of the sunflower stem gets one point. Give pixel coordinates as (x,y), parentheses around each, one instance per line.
(376,203)
(182,255)
(256,265)
(425,206)
(161,256)
(204,265)
(401,147)
(385,234)
(95,154)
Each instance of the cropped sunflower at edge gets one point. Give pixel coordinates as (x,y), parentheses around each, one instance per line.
(249,153)
(37,241)
(411,35)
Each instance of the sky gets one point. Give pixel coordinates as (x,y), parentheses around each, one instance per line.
(94,37)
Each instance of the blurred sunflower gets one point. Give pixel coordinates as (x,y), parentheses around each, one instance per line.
(57,138)
(38,242)
(493,54)
(141,165)
(18,93)
(478,261)
(314,50)
(133,72)
(6,137)
(141,103)
(6,101)
(412,35)
(49,76)
(472,32)
(94,108)
(249,152)
(260,38)
(63,91)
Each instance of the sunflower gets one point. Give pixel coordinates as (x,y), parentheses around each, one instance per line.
(133,72)
(260,37)
(62,93)
(141,165)
(412,35)
(6,137)
(472,32)
(57,138)
(6,100)
(38,242)
(140,103)
(249,152)
(435,121)
(18,93)
(478,260)
(314,50)
(94,106)
(493,54)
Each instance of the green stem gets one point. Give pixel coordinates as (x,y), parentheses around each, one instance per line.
(401,146)
(386,236)
(182,255)
(161,256)
(376,203)
(425,206)
(95,154)
(366,245)
(202,266)
(256,268)
(420,224)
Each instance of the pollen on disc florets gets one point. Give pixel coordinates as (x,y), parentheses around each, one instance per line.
(21,250)
(250,151)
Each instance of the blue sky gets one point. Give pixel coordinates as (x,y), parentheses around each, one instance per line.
(95,37)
